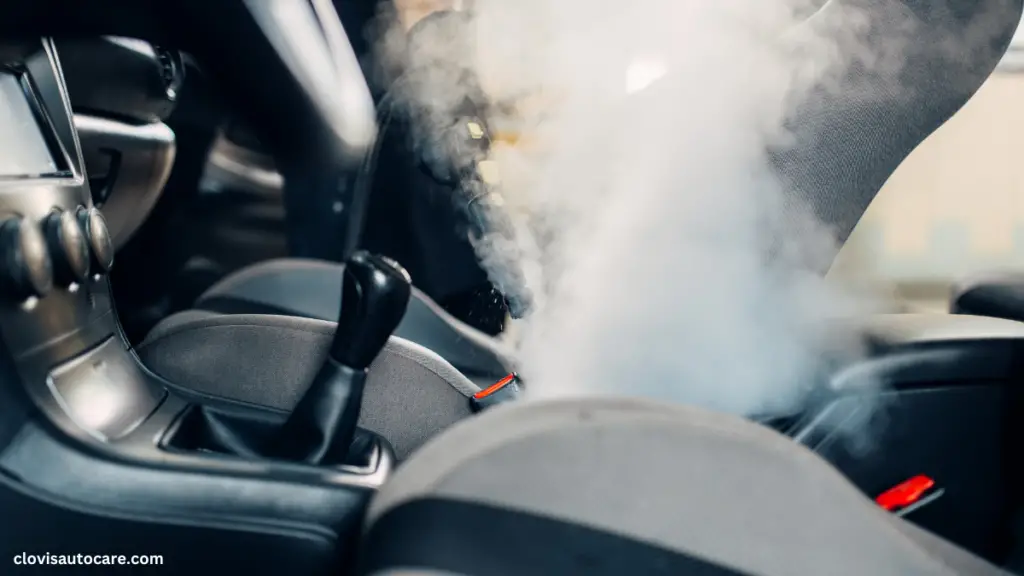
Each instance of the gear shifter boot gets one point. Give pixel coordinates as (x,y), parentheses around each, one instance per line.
(322,426)
(375,293)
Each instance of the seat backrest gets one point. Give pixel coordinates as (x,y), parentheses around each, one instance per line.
(855,132)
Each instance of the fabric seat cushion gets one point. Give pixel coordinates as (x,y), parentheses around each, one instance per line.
(710,486)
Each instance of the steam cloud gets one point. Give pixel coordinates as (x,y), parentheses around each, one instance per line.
(665,256)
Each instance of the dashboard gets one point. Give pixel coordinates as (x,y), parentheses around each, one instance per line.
(55,248)
(75,402)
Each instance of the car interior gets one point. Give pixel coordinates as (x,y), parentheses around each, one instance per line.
(224,342)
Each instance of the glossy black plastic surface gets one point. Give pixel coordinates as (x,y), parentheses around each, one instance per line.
(375,292)
(955,435)
(938,395)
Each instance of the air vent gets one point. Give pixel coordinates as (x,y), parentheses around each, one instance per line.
(172,70)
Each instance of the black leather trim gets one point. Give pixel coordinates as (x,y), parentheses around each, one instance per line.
(474,538)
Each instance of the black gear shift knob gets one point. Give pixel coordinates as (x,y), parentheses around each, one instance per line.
(374,295)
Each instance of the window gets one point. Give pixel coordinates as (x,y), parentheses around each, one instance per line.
(955,207)
(1014,59)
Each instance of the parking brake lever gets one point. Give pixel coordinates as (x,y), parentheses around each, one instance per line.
(375,294)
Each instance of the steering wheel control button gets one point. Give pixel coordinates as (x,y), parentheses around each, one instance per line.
(101,245)
(68,248)
(504,390)
(27,268)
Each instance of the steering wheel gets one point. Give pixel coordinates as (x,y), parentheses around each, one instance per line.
(286,66)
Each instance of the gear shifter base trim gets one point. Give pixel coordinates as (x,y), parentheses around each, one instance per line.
(245,433)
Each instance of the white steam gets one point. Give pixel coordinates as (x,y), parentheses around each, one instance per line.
(664,255)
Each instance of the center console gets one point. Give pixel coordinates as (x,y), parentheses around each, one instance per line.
(98,455)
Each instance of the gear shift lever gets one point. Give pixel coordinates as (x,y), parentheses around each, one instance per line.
(375,293)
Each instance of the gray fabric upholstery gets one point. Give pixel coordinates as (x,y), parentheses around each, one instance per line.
(411,393)
(713,486)
(854,132)
(312,289)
